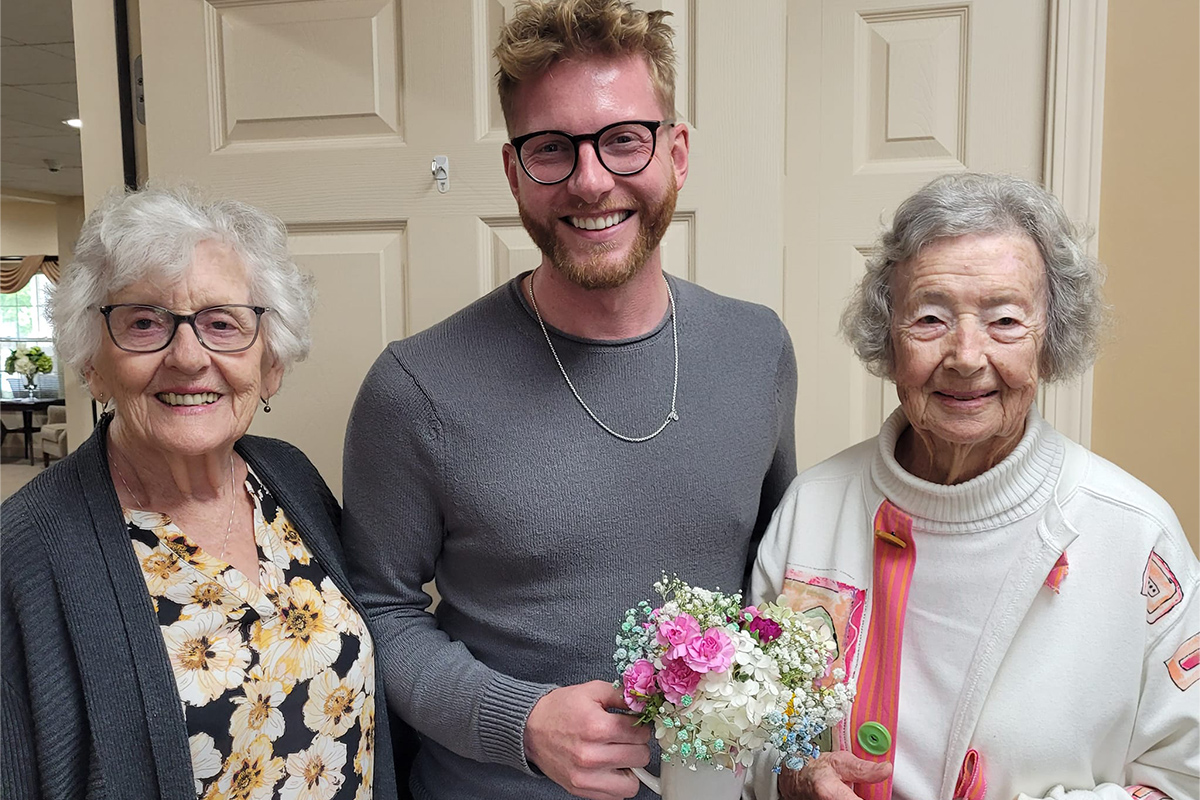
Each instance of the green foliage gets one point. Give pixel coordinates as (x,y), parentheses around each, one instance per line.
(28,362)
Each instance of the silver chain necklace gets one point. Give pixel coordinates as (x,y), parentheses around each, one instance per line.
(672,415)
(142,507)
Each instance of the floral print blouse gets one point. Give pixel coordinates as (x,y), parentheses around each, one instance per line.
(277,680)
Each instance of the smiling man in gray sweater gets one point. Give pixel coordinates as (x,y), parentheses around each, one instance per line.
(548,452)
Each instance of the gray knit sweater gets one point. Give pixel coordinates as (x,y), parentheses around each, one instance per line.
(469,461)
(90,706)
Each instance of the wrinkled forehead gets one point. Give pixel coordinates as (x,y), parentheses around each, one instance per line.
(167,263)
(1002,264)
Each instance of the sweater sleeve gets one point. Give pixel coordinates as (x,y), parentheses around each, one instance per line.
(783,465)
(393,529)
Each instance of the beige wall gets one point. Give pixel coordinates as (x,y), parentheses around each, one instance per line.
(28,226)
(1146,413)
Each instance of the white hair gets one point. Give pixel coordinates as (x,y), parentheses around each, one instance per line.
(974,203)
(153,233)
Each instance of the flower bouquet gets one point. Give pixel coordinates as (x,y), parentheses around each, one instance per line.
(720,680)
(28,362)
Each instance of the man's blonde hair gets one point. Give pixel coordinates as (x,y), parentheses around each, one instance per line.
(542,32)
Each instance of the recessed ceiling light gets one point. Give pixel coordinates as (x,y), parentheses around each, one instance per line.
(74,123)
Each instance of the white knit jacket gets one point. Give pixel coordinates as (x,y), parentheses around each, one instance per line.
(1077,694)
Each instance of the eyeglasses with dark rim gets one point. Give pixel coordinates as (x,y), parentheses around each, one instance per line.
(623,148)
(137,328)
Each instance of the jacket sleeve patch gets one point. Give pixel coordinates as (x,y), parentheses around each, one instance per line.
(1159,587)
(835,605)
(1184,664)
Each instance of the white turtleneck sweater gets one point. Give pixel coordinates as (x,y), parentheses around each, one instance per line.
(1064,694)
(967,538)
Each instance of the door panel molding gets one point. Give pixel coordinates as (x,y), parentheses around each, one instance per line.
(1074,134)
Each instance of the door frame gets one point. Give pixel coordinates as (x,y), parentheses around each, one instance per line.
(1071,165)
(1071,162)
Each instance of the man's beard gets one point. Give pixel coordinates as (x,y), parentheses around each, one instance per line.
(597,271)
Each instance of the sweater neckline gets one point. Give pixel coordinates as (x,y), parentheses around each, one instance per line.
(1017,487)
(518,294)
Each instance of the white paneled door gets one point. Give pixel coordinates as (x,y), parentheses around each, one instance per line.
(330,113)
(811,120)
(883,97)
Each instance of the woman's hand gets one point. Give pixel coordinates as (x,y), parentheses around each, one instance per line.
(829,777)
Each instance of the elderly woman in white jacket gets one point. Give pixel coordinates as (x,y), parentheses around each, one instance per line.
(1018,616)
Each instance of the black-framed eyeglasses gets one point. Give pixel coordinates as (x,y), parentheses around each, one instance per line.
(138,328)
(623,148)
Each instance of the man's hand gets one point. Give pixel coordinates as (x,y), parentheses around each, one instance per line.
(581,746)
(830,776)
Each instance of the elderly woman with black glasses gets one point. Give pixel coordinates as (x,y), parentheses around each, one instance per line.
(177,621)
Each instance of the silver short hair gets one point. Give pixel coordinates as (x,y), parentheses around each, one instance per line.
(972,203)
(153,233)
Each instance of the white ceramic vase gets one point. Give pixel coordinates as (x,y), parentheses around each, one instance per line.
(683,782)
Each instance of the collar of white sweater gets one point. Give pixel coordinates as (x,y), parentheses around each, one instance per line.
(1018,486)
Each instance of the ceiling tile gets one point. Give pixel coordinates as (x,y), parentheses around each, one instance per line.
(62,147)
(37,21)
(21,64)
(35,155)
(11,127)
(60,91)
(66,50)
(68,182)
(36,109)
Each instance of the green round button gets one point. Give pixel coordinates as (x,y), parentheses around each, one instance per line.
(874,738)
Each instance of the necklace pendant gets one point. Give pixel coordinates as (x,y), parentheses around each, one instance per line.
(673,417)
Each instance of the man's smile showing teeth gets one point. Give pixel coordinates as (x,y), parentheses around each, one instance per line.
(599,223)
(201,399)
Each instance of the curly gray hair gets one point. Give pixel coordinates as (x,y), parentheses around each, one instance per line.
(973,203)
(153,233)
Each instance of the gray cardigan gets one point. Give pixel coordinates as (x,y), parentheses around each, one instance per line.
(90,708)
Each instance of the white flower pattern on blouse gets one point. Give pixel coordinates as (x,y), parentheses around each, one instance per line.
(277,680)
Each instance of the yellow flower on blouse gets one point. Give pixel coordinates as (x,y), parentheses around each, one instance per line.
(289,538)
(250,774)
(257,711)
(187,551)
(203,595)
(306,641)
(315,773)
(333,705)
(207,656)
(160,569)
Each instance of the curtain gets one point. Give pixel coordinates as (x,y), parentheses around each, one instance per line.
(13,277)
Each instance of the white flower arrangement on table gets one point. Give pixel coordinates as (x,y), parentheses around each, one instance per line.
(28,362)
(721,681)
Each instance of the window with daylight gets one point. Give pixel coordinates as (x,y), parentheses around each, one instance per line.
(23,323)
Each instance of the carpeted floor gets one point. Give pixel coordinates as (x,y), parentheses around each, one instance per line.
(15,474)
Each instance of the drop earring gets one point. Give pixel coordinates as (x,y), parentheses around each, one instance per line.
(266,405)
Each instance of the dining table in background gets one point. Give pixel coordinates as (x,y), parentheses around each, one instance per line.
(27,406)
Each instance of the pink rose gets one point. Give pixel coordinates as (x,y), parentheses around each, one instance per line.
(639,684)
(677,679)
(768,630)
(712,652)
(675,634)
